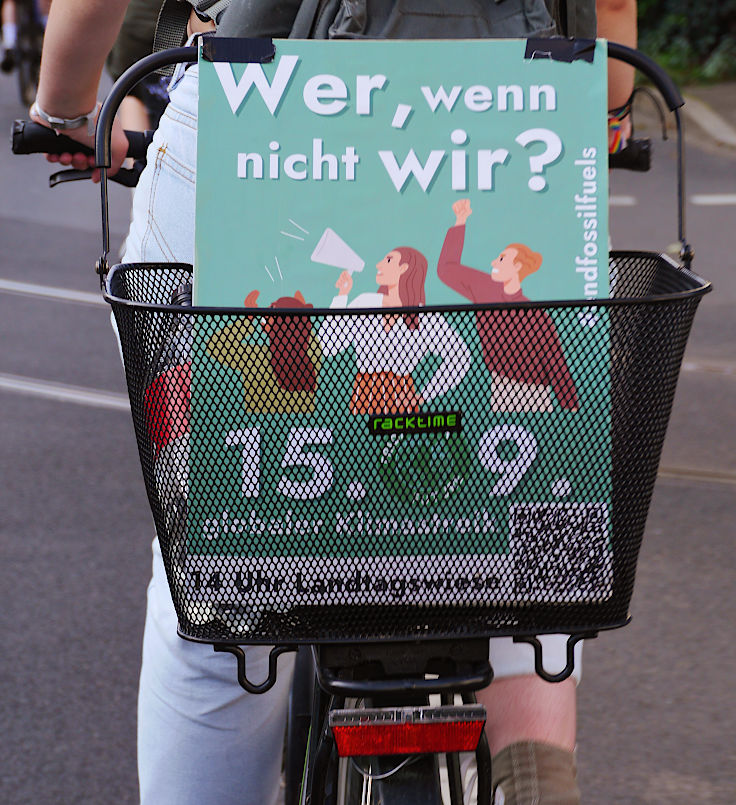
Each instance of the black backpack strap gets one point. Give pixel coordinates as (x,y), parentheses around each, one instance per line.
(209,9)
(574,17)
(314,19)
(171,29)
(255,19)
(171,26)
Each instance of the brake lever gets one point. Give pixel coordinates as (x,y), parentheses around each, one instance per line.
(127,177)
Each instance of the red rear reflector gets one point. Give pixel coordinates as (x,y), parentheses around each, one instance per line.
(407,731)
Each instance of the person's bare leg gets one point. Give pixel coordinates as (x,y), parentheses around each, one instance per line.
(8,11)
(9,35)
(133,114)
(531,730)
(526,708)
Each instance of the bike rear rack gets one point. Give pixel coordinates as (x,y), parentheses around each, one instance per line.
(422,666)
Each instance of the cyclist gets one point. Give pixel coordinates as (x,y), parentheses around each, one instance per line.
(10,30)
(201,737)
(9,35)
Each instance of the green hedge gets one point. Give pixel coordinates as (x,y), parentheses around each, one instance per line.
(696,41)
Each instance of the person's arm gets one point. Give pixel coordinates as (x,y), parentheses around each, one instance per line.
(78,38)
(461,278)
(617,22)
(558,373)
(441,340)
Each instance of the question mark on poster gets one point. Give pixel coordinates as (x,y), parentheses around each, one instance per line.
(537,164)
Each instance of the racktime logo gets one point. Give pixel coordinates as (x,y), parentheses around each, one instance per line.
(432,422)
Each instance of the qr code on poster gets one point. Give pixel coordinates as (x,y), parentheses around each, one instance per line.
(560,551)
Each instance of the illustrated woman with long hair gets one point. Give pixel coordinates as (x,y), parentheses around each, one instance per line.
(280,376)
(389,346)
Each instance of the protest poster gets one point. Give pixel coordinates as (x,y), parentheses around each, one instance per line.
(479,170)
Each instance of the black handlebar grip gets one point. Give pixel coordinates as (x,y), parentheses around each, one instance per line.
(637,156)
(28,137)
(138,142)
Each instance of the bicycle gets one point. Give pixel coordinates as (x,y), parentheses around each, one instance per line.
(27,54)
(364,679)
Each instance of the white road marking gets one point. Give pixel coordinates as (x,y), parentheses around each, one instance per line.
(622,201)
(698,475)
(50,292)
(713,199)
(63,392)
(699,200)
(710,367)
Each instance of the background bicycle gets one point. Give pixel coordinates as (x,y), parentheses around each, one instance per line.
(62,571)
(23,55)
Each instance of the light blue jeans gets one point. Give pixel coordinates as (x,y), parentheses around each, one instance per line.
(201,738)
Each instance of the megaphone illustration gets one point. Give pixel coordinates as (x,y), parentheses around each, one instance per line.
(333,251)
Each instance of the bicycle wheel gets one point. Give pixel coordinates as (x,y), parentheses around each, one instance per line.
(297,725)
(432,778)
(390,780)
(28,50)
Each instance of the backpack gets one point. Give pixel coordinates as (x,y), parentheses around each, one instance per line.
(380,19)
(574,17)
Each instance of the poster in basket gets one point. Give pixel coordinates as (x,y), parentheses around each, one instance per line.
(395,457)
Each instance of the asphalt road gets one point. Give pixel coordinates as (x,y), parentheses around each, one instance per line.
(656,705)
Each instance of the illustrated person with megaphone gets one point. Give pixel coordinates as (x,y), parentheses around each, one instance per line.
(390,346)
(521,347)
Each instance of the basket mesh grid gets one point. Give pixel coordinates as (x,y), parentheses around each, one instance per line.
(461,529)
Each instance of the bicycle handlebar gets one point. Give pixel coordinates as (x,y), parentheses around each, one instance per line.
(33,138)
(188,55)
(651,70)
(28,137)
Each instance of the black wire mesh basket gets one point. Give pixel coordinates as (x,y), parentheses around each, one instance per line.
(517,507)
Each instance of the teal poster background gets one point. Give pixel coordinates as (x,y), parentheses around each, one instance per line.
(321,164)
(260,233)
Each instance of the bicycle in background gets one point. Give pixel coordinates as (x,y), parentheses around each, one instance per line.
(23,30)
